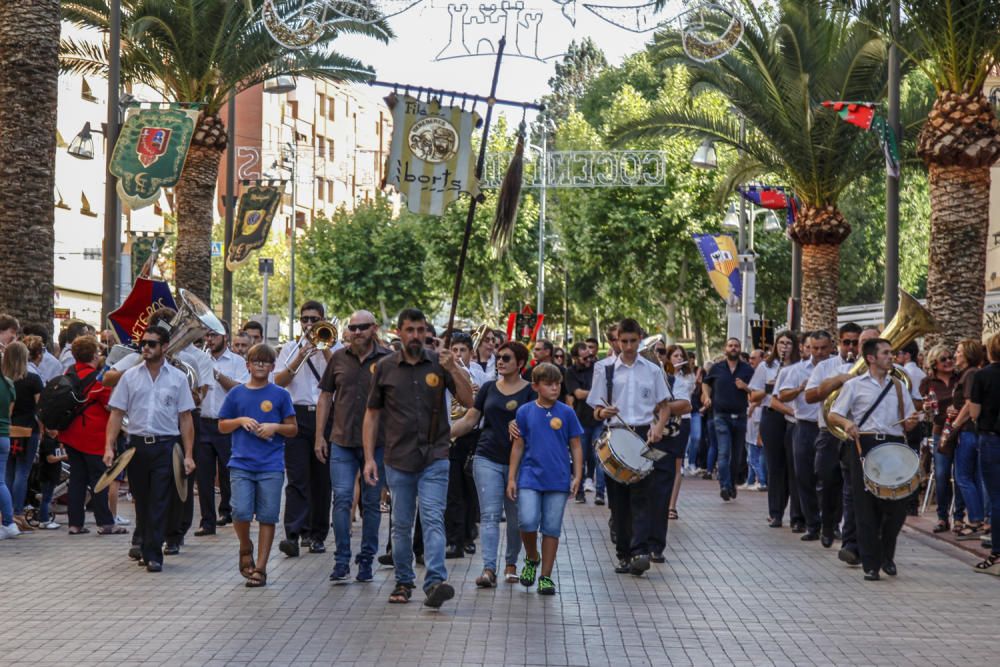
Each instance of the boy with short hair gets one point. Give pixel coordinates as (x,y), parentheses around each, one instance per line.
(540,477)
(260,416)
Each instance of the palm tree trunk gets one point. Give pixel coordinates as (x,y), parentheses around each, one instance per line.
(820,230)
(29,83)
(195,198)
(956,284)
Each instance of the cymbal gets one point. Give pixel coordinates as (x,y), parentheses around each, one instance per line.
(116,468)
(180,479)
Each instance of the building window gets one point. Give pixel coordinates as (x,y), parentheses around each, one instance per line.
(319,189)
(320,148)
(322,106)
(331,109)
(330,145)
(329,191)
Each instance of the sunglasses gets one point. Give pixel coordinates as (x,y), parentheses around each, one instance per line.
(661,352)
(852,343)
(360,327)
(558,356)
(309,319)
(148,343)
(431,341)
(946,358)
(506,358)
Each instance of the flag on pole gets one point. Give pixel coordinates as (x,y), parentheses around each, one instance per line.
(773,197)
(132,317)
(722,262)
(431,161)
(257,207)
(863,115)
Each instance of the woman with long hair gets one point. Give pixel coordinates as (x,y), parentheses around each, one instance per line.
(776,423)
(941,380)
(496,404)
(970,355)
(7,395)
(680,382)
(24,426)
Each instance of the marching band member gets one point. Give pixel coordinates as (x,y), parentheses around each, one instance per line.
(773,427)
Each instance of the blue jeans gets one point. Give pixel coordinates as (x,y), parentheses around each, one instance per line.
(757,471)
(728,430)
(17,474)
(541,510)
(6,506)
(694,440)
(588,441)
(712,455)
(256,494)
(429,487)
(943,488)
(491,486)
(345,462)
(968,475)
(989,455)
(48,488)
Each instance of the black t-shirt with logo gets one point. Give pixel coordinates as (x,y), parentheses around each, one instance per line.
(498,410)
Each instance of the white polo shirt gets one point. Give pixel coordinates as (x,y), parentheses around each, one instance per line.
(682,389)
(637,389)
(764,375)
(794,377)
(858,394)
(49,367)
(232,366)
(152,406)
(824,370)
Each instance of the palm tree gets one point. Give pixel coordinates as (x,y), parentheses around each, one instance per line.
(202,51)
(29,81)
(776,78)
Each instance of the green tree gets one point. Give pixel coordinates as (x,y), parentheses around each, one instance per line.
(579,66)
(201,52)
(248,284)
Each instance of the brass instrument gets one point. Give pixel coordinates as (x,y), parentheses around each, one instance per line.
(911,321)
(477,336)
(647,348)
(323,334)
(193,320)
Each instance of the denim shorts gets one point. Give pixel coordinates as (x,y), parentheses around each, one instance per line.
(541,509)
(256,494)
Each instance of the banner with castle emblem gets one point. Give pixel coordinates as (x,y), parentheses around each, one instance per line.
(257,207)
(150,152)
(431,161)
(722,262)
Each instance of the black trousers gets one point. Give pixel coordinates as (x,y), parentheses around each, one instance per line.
(212,452)
(181,514)
(661,487)
(804,452)
(84,471)
(772,433)
(151,480)
(829,480)
(632,511)
(462,507)
(878,520)
(308,495)
(850,530)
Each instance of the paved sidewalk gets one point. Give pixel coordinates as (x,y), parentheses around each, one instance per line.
(733,592)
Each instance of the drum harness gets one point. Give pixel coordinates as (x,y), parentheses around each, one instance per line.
(893,382)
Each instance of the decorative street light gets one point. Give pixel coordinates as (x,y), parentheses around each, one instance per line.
(82,146)
(704,157)
(279,85)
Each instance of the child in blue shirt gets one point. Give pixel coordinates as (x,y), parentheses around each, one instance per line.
(539,478)
(260,415)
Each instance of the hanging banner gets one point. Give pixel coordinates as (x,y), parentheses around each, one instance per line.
(524,326)
(150,152)
(257,207)
(723,264)
(132,317)
(863,115)
(431,161)
(773,197)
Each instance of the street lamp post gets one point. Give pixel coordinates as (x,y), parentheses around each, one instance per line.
(112,210)
(227,275)
(294,147)
(541,223)
(891,295)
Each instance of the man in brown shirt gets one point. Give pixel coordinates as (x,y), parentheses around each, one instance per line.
(408,399)
(346,384)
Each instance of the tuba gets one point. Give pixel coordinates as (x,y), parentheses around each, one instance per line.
(911,322)
(193,320)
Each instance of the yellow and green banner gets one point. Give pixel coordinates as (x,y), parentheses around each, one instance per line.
(431,161)
(258,204)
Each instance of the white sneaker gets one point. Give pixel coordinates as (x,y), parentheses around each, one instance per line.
(11,531)
(588,485)
(761,487)
(50,525)
(121,521)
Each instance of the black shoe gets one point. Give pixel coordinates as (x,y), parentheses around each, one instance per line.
(623,566)
(224,520)
(201,532)
(639,564)
(289,547)
(725,494)
(386,559)
(657,558)
(135,553)
(889,567)
(153,566)
(837,535)
(774,523)
(810,536)
(419,558)
(171,550)
(733,492)
(438,594)
(470,548)
(581,498)
(849,556)
(826,541)
(798,527)
(317,548)
(454,551)
(871,575)
(599,499)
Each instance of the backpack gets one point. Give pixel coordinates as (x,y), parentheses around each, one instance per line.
(64,399)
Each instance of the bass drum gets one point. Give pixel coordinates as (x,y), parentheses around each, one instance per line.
(620,452)
(892,471)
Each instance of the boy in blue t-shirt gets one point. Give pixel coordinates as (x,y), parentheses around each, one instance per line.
(260,415)
(539,478)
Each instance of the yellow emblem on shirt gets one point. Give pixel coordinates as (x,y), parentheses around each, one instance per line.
(372,368)
(555,423)
(432,379)
(511,405)
(266,406)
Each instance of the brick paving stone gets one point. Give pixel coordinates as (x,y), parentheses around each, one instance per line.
(733,592)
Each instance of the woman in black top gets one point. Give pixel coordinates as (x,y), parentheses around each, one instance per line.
(497,403)
(24,448)
(941,380)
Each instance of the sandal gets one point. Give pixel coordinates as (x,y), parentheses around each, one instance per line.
(510,574)
(672,514)
(247,564)
(112,530)
(958,526)
(256,579)
(942,526)
(971,531)
(990,566)
(80,531)
(401,594)
(488,579)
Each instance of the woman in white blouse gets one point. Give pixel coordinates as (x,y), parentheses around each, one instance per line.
(680,382)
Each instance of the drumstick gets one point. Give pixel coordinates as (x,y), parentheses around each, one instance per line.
(608,405)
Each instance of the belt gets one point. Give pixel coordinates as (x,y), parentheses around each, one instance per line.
(882,437)
(307,408)
(151,439)
(209,419)
(731,415)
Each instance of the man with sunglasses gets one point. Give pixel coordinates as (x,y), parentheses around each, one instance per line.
(213,448)
(579,378)
(345,386)
(157,399)
(299,369)
(828,376)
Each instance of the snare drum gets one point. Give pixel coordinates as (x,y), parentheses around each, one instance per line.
(620,452)
(892,471)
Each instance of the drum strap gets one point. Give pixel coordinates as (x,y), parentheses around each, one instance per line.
(868,413)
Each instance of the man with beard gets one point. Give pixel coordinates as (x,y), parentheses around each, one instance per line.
(241,344)
(726,391)
(346,384)
(213,448)
(408,399)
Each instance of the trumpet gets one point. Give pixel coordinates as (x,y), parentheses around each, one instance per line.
(323,334)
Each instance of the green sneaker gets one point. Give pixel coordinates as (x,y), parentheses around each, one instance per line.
(546,586)
(528,573)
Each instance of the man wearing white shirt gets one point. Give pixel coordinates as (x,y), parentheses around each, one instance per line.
(308,495)
(49,367)
(879,406)
(213,448)
(638,389)
(157,400)
(72,332)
